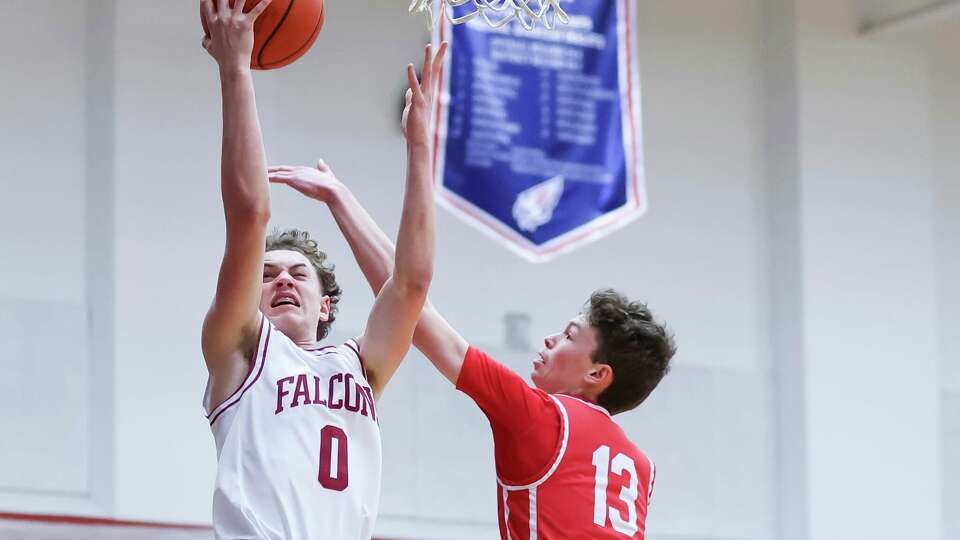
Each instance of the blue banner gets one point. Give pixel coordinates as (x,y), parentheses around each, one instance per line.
(538,134)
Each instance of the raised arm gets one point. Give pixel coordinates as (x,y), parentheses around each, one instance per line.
(439,342)
(395,312)
(375,255)
(229,330)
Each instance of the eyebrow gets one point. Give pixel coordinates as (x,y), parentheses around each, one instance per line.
(573,324)
(297,266)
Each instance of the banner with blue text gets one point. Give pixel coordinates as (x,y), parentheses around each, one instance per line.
(538,136)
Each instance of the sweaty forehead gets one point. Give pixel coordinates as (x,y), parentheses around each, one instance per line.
(285,258)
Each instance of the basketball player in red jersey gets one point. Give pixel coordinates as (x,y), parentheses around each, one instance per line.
(295,423)
(565,469)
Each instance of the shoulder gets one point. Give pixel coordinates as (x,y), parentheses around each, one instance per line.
(349,352)
(351,348)
(583,407)
(478,363)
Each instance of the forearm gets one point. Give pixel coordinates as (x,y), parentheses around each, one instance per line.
(374,253)
(371,247)
(243,166)
(414,253)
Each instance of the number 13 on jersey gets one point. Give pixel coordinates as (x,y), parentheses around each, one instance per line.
(625,468)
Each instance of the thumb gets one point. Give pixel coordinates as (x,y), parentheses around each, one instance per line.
(322,165)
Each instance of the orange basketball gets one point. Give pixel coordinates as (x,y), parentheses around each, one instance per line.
(282,33)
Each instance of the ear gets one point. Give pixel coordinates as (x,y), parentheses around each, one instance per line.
(325,309)
(599,377)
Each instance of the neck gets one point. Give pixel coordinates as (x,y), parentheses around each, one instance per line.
(305,338)
(306,343)
(584,394)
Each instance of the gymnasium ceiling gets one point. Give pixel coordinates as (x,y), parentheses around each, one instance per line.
(873,10)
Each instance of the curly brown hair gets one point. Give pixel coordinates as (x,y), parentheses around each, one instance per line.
(300,241)
(633,344)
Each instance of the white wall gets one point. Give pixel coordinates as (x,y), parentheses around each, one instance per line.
(945,112)
(869,299)
(53,435)
(878,10)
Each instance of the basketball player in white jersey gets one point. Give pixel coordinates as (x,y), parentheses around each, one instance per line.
(295,423)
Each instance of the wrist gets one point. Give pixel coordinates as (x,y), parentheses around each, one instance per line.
(335,194)
(418,147)
(233,71)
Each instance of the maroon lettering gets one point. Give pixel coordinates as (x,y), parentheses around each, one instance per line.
(316,392)
(363,400)
(301,392)
(344,391)
(281,392)
(330,403)
(348,391)
(333,437)
(368,398)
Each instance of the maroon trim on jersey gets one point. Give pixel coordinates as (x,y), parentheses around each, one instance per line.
(263,361)
(93,522)
(356,350)
(320,348)
(251,363)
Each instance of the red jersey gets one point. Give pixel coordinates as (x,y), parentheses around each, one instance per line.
(565,469)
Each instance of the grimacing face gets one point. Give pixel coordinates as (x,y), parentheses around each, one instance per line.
(291,296)
(565,361)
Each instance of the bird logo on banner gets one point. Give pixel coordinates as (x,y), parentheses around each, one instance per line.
(534,206)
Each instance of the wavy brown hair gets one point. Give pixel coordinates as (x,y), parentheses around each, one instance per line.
(633,344)
(300,241)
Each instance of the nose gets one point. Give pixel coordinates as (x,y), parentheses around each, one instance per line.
(283,280)
(549,341)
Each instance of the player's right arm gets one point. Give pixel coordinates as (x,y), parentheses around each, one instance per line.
(230,327)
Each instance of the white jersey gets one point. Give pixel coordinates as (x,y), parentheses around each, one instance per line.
(298,446)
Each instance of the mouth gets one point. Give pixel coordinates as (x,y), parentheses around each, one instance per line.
(538,361)
(285,300)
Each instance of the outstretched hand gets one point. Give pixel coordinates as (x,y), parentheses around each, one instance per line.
(315,182)
(230,39)
(420,96)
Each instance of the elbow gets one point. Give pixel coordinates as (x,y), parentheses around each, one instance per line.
(417,283)
(248,213)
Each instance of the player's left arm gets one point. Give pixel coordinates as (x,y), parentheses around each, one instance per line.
(396,310)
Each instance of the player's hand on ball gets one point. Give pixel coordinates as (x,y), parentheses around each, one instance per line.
(315,182)
(420,95)
(230,41)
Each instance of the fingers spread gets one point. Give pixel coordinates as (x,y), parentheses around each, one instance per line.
(438,60)
(206,8)
(259,8)
(414,84)
(427,68)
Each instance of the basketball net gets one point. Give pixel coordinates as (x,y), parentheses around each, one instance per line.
(496,13)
